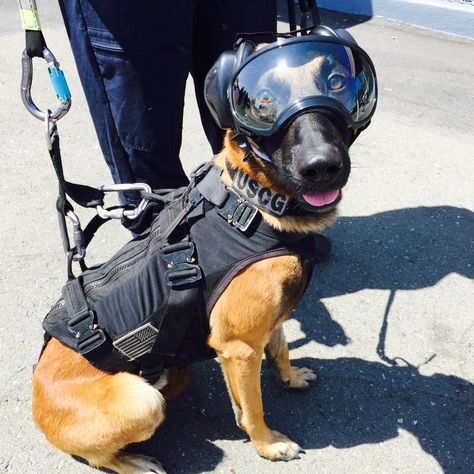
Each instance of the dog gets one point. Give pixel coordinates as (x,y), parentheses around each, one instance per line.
(93,414)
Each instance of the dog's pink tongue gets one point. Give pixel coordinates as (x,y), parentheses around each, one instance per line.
(322,198)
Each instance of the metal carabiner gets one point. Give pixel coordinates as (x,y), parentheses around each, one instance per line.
(79,249)
(128,213)
(57,79)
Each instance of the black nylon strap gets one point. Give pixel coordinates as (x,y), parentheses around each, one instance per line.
(309,7)
(81,318)
(143,222)
(62,204)
(183,298)
(212,188)
(76,302)
(291,14)
(35,43)
(227,201)
(177,220)
(85,196)
(358,132)
(92,227)
(261,35)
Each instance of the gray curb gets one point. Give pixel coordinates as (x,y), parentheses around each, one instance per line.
(450,16)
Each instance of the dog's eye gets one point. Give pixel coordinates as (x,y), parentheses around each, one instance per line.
(336,82)
(265,97)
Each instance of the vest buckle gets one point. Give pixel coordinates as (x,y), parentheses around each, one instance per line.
(180,262)
(88,335)
(182,274)
(237,211)
(244,215)
(176,253)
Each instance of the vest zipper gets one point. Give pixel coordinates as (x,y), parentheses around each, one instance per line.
(110,275)
(57,306)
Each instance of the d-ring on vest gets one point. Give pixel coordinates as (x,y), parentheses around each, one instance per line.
(148,306)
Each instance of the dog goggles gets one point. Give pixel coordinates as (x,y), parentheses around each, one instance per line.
(290,76)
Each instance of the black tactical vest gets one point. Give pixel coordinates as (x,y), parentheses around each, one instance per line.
(148,306)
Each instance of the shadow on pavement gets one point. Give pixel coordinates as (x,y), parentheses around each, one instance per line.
(354,401)
(405,249)
(359,402)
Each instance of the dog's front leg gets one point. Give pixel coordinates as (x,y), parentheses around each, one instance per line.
(278,356)
(242,322)
(241,364)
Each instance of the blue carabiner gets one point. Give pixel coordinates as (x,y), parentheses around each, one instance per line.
(58,81)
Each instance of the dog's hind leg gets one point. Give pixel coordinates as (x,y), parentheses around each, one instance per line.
(177,382)
(278,356)
(94,415)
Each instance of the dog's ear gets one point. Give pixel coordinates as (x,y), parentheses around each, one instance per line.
(216,84)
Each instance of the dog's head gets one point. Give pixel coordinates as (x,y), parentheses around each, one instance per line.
(295,107)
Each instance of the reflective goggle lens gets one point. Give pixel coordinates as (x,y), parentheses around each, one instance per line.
(268,85)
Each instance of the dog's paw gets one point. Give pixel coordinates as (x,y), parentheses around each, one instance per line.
(139,464)
(279,448)
(300,378)
(163,381)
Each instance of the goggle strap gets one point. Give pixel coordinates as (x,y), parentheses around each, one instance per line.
(272,34)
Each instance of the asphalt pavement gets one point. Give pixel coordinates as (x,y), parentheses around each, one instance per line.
(387,322)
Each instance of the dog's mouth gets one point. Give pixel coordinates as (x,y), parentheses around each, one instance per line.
(320,202)
(323,198)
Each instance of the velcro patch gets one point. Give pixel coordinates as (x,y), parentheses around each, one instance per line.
(138,342)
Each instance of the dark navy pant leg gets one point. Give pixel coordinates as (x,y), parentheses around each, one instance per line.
(133,59)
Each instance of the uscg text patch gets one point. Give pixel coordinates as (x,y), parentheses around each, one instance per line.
(258,195)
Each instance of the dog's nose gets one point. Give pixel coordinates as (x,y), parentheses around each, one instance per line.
(320,166)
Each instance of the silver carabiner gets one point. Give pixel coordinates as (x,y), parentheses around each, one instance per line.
(79,248)
(57,79)
(128,213)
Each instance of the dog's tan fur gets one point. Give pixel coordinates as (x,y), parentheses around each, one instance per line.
(92,414)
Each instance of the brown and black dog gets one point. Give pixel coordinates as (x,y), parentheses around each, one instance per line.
(94,415)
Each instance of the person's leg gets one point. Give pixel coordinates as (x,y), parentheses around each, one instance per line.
(133,59)
(216,24)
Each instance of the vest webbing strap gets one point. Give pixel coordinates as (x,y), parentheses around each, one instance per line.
(183,278)
(212,188)
(81,317)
